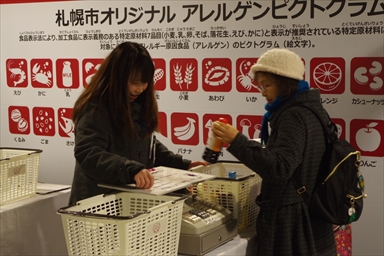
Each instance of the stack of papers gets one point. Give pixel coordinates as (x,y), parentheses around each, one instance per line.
(167,180)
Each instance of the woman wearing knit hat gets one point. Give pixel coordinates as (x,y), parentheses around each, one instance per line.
(294,144)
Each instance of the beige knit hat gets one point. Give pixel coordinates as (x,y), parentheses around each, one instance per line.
(281,62)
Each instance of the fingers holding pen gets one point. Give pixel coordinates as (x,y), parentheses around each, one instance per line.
(144,179)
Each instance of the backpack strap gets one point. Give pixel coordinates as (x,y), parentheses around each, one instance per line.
(330,133)
(330,129)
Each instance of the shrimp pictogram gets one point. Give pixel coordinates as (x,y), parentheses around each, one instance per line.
(17,73)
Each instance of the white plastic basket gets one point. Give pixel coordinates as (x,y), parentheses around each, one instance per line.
(123,224)
(19,170)
(236,194)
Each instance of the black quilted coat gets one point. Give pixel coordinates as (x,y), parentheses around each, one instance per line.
(103,156)
(296,144)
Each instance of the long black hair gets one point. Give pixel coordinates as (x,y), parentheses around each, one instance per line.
(109,87)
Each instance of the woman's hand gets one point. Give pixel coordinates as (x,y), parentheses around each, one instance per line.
(224,132)
(144,179)
(197,163)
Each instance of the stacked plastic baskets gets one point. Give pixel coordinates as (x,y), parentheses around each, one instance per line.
(123,224)
(236,193)
(19,169)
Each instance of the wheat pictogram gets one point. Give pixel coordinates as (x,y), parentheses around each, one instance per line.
(178,77)
(188,75)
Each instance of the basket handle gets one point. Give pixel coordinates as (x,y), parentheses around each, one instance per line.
(181,198)
(100,216)
(35,151)
(64,210)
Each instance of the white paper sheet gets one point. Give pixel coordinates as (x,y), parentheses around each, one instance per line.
(166,180)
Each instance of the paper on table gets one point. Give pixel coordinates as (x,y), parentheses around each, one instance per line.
(47,188)
(166,180)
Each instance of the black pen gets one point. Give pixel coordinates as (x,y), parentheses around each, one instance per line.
(154,148)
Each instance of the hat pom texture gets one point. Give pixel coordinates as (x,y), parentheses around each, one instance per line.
(281,62)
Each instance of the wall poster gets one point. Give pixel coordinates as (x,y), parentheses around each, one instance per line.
(202,52)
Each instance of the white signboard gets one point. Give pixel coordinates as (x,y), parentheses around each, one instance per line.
(202,51)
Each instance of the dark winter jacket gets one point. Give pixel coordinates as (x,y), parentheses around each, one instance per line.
(296,144)
(104,156)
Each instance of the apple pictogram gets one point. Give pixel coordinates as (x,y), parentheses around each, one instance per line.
(339,130)
(368,139)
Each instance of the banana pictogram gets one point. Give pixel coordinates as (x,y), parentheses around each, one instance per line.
(185,132)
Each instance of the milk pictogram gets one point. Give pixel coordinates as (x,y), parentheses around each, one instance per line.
(67,74)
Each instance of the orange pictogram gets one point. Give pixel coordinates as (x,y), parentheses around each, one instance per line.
(327,76)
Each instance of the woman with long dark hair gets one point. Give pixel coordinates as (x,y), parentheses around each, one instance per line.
(115,118)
